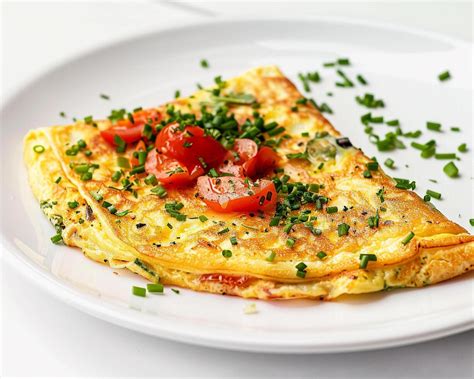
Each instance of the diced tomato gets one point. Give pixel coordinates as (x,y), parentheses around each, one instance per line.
(255,162)
(190,146)
(230,194)
(169,171)
(259,165)
(132,132)
(229,167)
(230,280)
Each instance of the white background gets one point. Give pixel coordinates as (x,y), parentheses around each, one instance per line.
(42,337)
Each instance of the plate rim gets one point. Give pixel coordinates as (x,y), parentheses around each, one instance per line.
(108,311)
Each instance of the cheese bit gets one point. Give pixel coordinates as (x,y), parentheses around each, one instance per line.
(462,148)
(451,170)
(435,126)
(155,287)
(389,162)
(73,204)
(38,149)
(204,63)
(434,194)
(250,309)
(408,238)
(226,253)
(321,255)
(139,291)
(365,258)
(271,257)
(343,229)
(444,76)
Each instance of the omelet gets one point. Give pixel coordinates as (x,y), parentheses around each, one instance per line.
(340,225)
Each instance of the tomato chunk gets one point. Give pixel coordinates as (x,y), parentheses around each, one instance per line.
(254,162)
(132,132)
(169,171)
(230,194)
(190,146)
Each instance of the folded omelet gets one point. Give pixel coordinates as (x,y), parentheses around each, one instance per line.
(355,233)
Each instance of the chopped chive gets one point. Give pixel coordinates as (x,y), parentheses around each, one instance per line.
(155,287)
(427,198)
(123,162)
(226,253)
(408,238)
(301,274)
(56,238)
(275,221)
(393,123)
(321,255)
(436,126)
(122,213)
(137,170)
(455,129)
(139,291)
(58,180)
(361,80)
(434,194)
(86,176)
(372,166)
(233,240)
(271,257)
(160,191)
(343,229)
(38,149)
(365,258)
(204,63)
(151,180)
(343,62)
(88,120)
(444,76)
(445,156)
(141,155)
(223,231)
(177,94)
(62,114)
(462,148)
(290,242)
(451,170)
(331,210)
(73,204)
(389,162)
(104,96)
(301,266)
(176,291)
(96,195)
(120,144)
(471,221)
(203,218)
(169,225)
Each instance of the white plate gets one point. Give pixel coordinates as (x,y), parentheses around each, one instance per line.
(402,68)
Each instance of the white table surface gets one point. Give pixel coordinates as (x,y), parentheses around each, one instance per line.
(41,336)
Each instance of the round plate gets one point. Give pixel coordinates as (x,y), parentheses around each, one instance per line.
(401,67)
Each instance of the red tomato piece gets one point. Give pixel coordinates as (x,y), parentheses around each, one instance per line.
(190,146)
(169,171)
(259,165)
(230,194)
(230,280)
(132,132)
